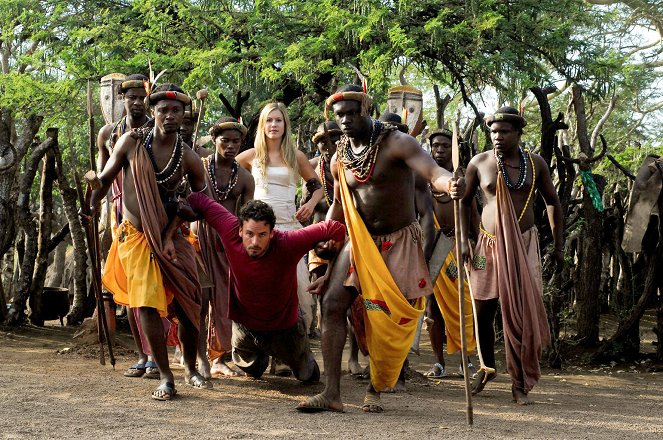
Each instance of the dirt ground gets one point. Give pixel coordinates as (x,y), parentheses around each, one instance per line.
(52,388)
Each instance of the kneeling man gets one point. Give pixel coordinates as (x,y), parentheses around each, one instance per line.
(263,301)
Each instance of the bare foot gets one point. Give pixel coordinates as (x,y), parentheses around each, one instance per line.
(354,367)
(398,388)
(204,368)
(177,357)
(372,403)
(520,396)
(220,368)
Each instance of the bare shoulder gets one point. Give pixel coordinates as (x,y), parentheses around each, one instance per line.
(481,158)
(246,157)
(539,162)
(126,143)
(402,145)
(189,154)
(106,131)
(333,164)
(314,161)
(204,152)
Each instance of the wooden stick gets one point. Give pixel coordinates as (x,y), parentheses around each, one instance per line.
(202,96)
(461,285)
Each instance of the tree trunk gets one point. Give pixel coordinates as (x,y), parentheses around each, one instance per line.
(587,295)
(9,175)
(70,203)
(28,224)
(58,261)
(44,237)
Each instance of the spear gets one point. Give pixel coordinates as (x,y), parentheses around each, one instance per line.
(455,159)
(202,96)
(94,248)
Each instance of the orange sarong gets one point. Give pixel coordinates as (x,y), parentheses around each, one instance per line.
(132,275)
(446,295)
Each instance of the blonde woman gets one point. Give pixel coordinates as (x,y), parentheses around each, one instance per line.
(276,165)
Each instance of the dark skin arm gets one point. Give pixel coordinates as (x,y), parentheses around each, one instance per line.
(423,201)
(103,136)
(120,157)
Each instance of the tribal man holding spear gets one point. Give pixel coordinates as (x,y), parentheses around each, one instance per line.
(159,280)
(133,93)
(374,194)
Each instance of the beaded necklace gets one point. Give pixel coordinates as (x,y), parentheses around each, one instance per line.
(174,162)
(222,193)
(527,202)
(329,198)
(361,164)
(522,169)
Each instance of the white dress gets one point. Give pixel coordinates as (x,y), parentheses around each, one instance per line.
(278,188)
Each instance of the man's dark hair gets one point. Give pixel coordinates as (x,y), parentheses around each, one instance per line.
(258,211)
(350,88)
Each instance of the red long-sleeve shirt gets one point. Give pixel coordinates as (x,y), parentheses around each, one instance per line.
(263,290)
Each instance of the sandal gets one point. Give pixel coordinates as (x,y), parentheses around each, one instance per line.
(437,372)
(198,381)
(151,370)
(165,391)
(136,370)
(484,376)
(318,403)
(372,403)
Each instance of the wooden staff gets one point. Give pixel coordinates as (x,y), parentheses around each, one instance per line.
(94,247)
(455,158)
(201,95)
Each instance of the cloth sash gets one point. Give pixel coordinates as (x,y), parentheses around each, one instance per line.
(391,322)
(182,275)
(219,330)
(524,319)
(446,295)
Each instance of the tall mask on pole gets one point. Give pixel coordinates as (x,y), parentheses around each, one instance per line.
(110,99)
(408,102)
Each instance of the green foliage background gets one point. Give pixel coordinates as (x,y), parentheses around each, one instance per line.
(487,52)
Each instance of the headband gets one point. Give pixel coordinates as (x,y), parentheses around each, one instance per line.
(155,97)
(321,134)
(132,84)
(516,120)
(440,132)
(365,100)
(218,128)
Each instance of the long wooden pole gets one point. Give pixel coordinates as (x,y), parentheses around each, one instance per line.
(94,247)
(461,284)
(202,96)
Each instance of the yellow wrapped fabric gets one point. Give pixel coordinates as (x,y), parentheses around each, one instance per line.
(391,321)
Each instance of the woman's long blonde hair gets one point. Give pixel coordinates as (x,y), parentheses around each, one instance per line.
(288,150)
